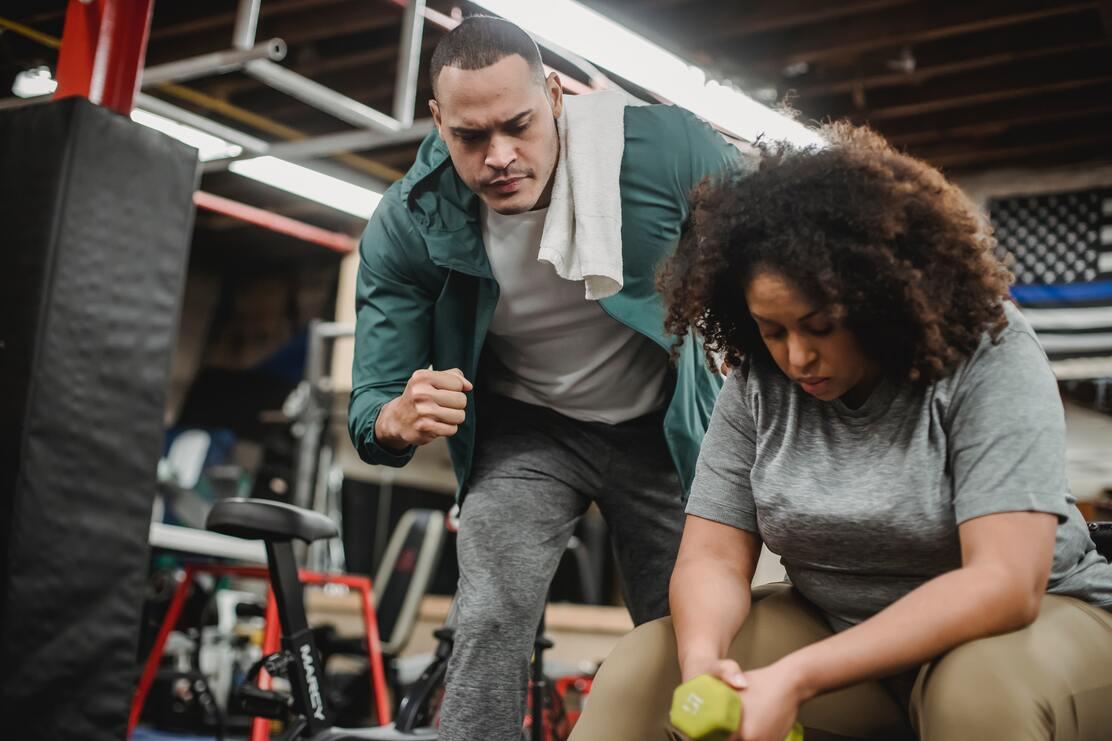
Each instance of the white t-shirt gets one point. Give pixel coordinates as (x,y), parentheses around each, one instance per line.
(556,348)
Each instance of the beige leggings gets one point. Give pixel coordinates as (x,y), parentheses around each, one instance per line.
(1050,680)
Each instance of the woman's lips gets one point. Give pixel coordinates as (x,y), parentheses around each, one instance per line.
(814,385)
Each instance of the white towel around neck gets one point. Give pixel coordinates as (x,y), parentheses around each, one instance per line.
(582,236)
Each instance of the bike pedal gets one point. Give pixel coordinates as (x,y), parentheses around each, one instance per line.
(277,664)
(263,703)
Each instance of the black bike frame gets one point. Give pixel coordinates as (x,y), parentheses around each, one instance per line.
(306,675)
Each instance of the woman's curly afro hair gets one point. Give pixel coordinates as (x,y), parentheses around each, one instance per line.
(854,225)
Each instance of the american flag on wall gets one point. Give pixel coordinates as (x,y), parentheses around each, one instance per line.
(1059,246)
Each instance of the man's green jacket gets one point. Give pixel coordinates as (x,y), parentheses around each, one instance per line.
(425,293)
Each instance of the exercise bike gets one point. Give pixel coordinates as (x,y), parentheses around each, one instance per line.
(304,710)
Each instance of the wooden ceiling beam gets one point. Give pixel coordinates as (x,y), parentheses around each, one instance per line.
(924,75)
(949,136)
(995,118)
(1016,138)
(1056,159)
(46,16)
(1092,147)
(376,60)
(1008,45)
(741,20)
(305,26)
(1082,68)
(1106,17)
(1006,93)
(222,21)
(854,35)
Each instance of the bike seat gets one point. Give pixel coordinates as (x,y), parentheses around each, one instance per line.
(260,519)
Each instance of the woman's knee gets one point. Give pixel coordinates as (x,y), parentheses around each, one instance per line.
(632,692)
(643,662)
(976,691)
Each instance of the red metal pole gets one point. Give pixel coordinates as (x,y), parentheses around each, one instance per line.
(260,727)
(173,612)
(77,56)
(103,47)
(126,26)
(274,222)
(374,653)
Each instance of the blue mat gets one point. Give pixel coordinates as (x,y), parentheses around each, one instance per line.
(149,734)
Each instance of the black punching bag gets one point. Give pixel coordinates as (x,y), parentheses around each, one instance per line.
(96,219)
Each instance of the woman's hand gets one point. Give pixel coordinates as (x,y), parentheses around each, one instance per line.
(727,670)
(770,697)
(769,704)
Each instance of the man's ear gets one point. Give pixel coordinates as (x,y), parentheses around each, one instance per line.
(434,109)
(555,93)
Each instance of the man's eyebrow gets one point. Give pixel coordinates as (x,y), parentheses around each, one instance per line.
(516,120)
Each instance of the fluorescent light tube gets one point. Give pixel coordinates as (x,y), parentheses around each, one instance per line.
(307,183)
(208,147)
(277,173)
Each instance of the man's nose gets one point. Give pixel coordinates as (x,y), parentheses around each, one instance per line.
(500,154)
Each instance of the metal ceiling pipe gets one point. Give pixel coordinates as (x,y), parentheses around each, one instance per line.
(157,105)
(409,62)
(247,24)
(298,86)
(350,141)
(213,64)
(320,96)
(188,69)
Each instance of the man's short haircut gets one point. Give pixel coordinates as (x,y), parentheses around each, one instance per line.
(481,40)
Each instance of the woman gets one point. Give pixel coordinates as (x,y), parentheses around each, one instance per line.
(892,430)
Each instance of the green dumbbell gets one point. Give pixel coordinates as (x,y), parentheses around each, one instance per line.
(707,709)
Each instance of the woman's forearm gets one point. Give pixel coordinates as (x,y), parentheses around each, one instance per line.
(943,613)
(709,600)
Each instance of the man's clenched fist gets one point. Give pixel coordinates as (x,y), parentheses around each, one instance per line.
(433,405)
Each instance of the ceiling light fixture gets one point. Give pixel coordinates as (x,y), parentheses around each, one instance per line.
(316,186)
(31,83)
(208,147)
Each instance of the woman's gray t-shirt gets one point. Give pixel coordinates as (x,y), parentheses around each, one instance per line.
(862,505)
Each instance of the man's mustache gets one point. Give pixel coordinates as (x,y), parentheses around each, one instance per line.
(508,175)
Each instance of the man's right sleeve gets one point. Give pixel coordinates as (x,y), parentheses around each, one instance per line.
(393,328)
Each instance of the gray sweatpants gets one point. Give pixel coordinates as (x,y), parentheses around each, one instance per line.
(535,474)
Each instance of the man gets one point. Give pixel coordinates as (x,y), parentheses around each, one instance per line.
(549,401)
